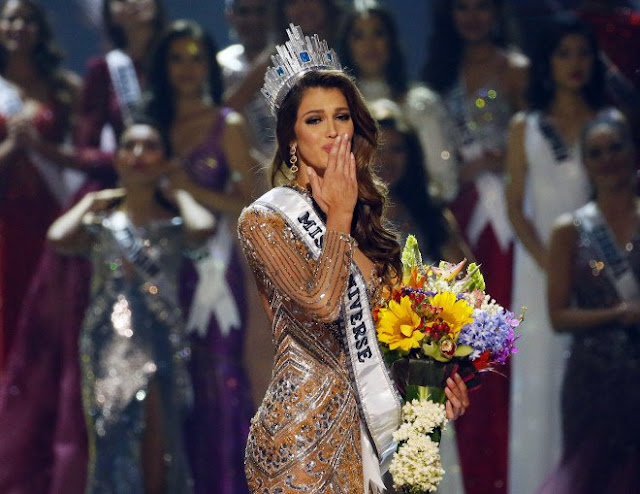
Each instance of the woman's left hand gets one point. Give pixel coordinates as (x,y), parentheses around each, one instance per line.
(458,397)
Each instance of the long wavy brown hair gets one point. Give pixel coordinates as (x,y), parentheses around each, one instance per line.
(368,227)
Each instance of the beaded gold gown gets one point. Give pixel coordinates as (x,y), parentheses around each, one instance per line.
(305,437)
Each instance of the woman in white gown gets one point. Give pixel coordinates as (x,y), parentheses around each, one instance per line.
(546,179)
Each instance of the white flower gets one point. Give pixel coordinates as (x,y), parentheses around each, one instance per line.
(416,465)
(490,306)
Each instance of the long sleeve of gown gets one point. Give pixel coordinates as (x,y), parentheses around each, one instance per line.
(281,263)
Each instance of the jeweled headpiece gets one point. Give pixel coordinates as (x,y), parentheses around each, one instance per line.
(296,57)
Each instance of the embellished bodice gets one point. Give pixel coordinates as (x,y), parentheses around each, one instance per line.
(480,118)
(305,436)
(591,287)
(163,240)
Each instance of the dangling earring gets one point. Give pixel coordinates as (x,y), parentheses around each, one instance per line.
(293,159)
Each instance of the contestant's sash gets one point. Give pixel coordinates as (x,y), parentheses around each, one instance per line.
(136,252)
(616,264)
(378,400)
(213,296)
(491,207)
(125,83)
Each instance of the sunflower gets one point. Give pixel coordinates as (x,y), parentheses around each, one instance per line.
(455,313)
(398,326)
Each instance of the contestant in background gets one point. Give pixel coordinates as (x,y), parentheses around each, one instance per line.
(482,81)
(243,66)
(370,50)
(594,275)
(132,345)
(41,406)
(546,179)
(114,82)
(37,99)
(411,210)
(214,164)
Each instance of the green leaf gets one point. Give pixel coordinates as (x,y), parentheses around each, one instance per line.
(463,351)
(411,257)
(432,350)
(475,280)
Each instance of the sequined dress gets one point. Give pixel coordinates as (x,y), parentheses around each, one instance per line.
(305,436)
(600,402)
(131,339)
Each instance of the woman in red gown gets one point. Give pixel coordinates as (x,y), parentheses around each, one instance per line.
(482,83)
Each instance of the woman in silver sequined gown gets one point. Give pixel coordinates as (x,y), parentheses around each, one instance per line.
(133,352)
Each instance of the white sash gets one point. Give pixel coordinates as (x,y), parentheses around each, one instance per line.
(491,208)
(378,400)
(125,83)
(616,263)
(60,182)
(213,296)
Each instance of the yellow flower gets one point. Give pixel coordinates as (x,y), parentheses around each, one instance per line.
(398,326)
(456,313)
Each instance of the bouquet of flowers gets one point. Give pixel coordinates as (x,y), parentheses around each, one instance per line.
(436,322)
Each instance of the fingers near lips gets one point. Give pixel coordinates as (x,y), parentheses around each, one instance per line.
(334,153)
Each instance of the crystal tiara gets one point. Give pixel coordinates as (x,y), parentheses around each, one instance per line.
(293,59)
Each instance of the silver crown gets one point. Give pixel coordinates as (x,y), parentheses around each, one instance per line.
(297,56)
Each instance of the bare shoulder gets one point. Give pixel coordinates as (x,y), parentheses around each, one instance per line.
(73,80)
(70,83)
(517,77)
(235,133)
(517,61)
(234,120)
(517,124)
(564,228)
